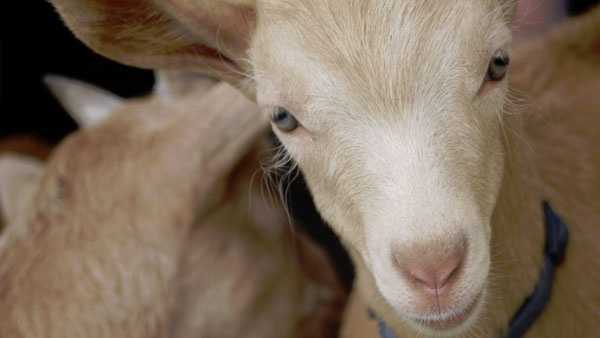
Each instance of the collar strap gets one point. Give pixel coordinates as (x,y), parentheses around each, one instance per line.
(384,330)
(557,237)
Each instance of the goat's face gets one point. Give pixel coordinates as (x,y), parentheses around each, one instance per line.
(392,111)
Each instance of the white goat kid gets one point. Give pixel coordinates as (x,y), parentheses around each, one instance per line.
(394,111)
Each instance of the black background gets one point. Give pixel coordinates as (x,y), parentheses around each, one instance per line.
(35,42)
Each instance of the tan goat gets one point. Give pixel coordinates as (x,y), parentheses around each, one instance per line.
(141,225)
(399,115)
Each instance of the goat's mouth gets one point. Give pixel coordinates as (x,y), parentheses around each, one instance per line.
(450,320)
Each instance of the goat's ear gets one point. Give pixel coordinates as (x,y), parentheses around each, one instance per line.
(211,36)
(173,84)
(17,174)
(88,105)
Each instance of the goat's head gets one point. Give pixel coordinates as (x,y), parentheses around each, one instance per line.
(125,143)
(390,108)
(392,112)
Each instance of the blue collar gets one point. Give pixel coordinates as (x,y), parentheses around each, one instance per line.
(557,236)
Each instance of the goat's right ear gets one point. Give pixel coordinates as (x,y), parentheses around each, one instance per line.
(211,36)
(17,174)
(87,104)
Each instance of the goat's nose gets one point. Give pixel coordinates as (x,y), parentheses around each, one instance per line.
(434,271)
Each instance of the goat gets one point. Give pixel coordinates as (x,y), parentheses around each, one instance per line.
(139,225)
(399,115)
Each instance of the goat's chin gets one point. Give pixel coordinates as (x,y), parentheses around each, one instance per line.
(452,321)
(455,322)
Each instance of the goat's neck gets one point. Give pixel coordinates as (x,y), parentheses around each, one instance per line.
(518,232)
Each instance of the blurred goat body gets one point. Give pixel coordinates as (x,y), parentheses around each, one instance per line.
(134,228)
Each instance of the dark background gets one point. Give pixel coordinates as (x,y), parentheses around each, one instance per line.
(45,46)
(575,7)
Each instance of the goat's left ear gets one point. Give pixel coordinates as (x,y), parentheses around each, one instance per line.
(87,104)
(18,174)
(208,36)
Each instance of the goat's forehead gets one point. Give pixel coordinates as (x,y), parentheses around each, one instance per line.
(370,45)
(364,20)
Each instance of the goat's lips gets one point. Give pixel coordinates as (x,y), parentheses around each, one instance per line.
(452,321)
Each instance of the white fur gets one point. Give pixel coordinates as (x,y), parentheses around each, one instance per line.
(87,104)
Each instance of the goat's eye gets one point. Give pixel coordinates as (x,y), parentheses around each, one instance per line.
(498,66)
(285,121)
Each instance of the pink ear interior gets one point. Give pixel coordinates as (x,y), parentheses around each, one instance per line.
(207,36)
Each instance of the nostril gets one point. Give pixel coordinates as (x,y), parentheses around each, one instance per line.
(425,279)
(431,272)
(447,273)
(435,276)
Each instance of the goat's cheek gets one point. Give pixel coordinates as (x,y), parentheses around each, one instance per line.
(323,196)
(332,202)
(478,264)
